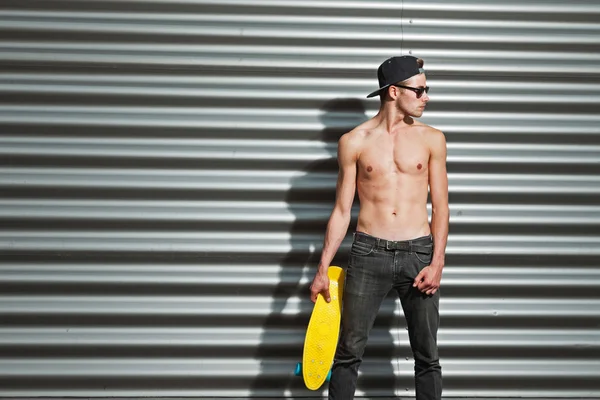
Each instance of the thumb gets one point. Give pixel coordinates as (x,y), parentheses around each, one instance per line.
(327,295)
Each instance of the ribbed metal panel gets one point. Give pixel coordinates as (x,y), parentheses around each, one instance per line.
(167,169)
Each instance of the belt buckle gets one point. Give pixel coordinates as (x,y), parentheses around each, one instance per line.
(387,245)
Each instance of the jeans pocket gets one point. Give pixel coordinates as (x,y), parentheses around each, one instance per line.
(425,258)
(361,249)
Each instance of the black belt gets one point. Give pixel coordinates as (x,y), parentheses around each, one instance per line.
(420,245)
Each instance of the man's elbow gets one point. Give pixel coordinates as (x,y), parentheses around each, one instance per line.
(342,213)
(441,211)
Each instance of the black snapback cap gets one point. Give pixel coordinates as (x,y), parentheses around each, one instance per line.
(394,70)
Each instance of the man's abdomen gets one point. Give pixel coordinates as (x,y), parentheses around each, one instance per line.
(398,222)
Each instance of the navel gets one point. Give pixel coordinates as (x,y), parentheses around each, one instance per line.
(419,166)
(369,168)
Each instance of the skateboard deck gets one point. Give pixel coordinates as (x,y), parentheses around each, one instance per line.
(322,333)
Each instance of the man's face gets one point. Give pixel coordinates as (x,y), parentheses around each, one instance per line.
(408,102)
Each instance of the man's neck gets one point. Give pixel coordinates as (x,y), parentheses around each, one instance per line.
(391,119)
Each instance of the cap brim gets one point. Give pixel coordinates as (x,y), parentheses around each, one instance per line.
(378,91)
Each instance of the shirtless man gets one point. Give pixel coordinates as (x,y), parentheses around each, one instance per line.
(391,160)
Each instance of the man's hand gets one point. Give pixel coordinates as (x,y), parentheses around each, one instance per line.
(320,284)
(428,280)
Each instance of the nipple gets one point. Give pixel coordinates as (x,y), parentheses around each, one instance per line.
(369,168)
(419,166)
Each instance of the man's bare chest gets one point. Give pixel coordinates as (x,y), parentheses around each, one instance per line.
(393,159)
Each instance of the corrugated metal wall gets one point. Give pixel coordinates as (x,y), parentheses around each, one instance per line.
(168,168)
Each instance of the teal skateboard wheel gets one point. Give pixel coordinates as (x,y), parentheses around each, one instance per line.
(298,371)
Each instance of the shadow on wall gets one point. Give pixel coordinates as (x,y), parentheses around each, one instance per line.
(311,209)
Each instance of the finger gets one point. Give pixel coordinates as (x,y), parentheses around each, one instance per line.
(313,296)
(433,289)
(327,295)
(426,286)
(418,279)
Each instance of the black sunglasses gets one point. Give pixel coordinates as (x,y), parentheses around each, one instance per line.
(418,91)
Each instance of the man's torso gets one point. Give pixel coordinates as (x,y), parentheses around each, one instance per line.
(392,181)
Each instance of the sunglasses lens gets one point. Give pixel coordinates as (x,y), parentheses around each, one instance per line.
(420,91)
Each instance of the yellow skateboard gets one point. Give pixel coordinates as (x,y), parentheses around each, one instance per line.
(322,333)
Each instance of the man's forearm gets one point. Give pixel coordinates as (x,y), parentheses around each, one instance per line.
(336,231)
(439,226)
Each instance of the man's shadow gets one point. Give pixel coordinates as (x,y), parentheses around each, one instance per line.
(310,200)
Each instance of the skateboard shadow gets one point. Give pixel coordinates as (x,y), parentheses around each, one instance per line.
(282,336)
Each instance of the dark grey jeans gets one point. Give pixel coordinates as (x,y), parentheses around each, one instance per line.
(375,267)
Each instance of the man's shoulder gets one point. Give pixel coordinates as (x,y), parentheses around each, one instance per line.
(355,136)
(427,129)
(361,131)
(352,142)
(431,134)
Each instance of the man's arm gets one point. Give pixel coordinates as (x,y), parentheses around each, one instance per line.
(428,281)
(341,214)
(440,212)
